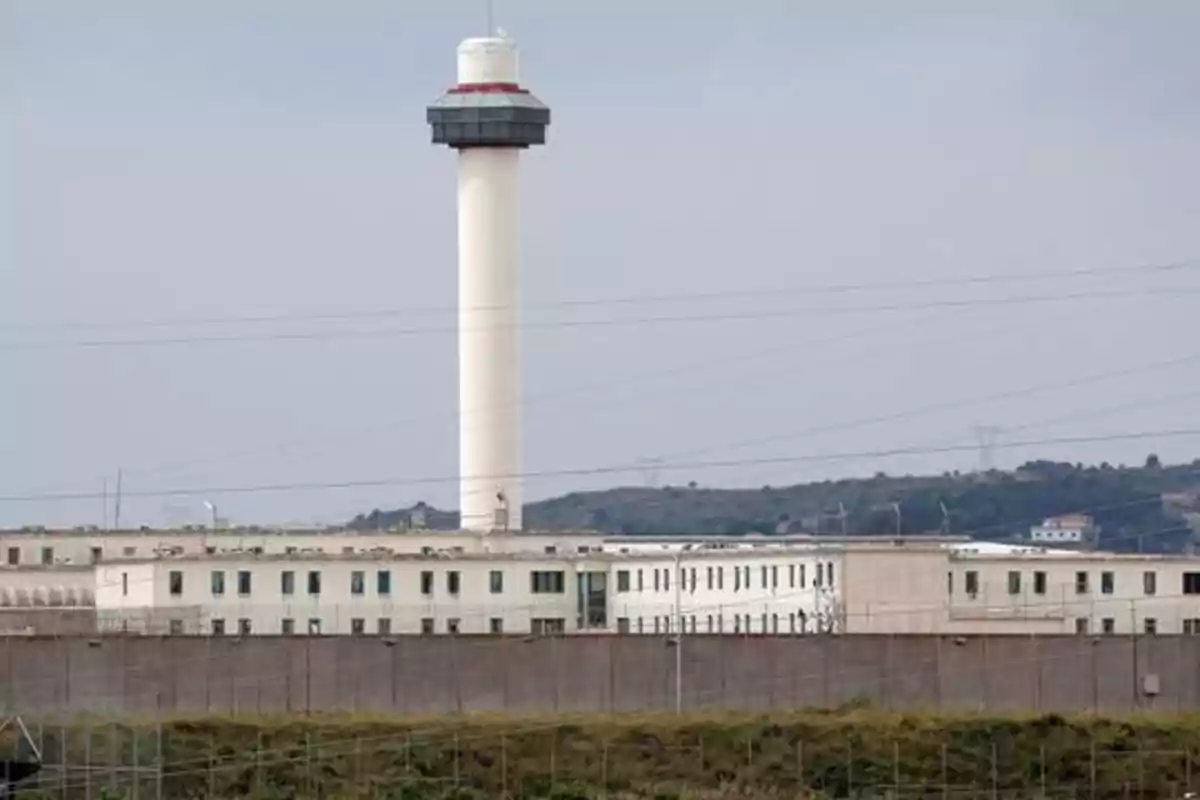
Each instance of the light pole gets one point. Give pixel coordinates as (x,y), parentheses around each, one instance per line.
(212,510)
(679,632)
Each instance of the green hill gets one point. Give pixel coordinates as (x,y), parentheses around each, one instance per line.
(1147,508)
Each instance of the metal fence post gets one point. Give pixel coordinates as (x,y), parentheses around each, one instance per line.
(158,760)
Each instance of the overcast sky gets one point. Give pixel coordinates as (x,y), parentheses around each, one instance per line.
(172,163)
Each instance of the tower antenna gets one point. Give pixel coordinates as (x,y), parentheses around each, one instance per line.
(491,18)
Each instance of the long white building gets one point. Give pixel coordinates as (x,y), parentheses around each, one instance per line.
(332,582)
(776,590)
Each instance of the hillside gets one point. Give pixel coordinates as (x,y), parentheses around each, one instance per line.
(1137,508)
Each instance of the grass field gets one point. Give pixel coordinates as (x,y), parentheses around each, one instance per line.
(836,754)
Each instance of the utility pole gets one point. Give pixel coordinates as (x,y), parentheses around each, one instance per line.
(117,506)
(986,436)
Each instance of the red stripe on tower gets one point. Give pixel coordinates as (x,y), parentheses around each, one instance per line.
(488,88)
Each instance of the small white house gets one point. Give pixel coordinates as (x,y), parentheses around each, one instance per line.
(1068,529)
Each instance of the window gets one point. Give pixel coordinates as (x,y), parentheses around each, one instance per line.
(287,626)
(1191,626)
(358,580)
(623,625)
(829,574)
(175,582)
(1014,582)
(746,576)
(774,577)
(496,581)
(47,555)
(549,581)
(124,584)
(656,623)
(427,625)
(1108,625)
(1191,583)
(666,580)
(656,580)
(737,579)
(314,582)
(819,575)
(1081,625)
(244,583)
(427,584)
(175,627)
(641,626)
(693,581)
(129,552)
(1083,584)
(710,578)
(792,622)
(764,577)
(453,581)
(314,626)
(243,627)
(791,576)
(218,627)
(452,625)
(720,578)
(1150,625)
(358,626)
(287,582)
(737,623)
(803,577)
(14,556)
(496,625)
(97,555)
(1039,582)
(764,622)
(622,580)
(774,623)
(1106,582)
(547,626)
(641,585)
(218,582)
(972,582)
(950,582)
(383,583)
(1150,582)
(383,625)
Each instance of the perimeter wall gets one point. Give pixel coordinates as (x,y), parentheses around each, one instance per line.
(421,675)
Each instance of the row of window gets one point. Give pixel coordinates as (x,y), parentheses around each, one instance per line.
(1190,627)
(715,578)
(383,626)
(797,622)
(1083,582)
(540,582)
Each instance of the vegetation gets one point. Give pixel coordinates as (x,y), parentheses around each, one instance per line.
(1126,502)
(834,754)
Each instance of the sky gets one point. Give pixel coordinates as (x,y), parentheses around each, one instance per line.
(783,236)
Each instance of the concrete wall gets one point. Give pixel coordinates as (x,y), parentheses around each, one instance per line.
(594,673)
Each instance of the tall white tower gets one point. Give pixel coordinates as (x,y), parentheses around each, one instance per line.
(489,119)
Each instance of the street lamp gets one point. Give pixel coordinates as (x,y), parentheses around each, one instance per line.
(679,632)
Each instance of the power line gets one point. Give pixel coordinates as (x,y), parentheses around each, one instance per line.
(641,380)
(665,465)
(758,315)
(844,288)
